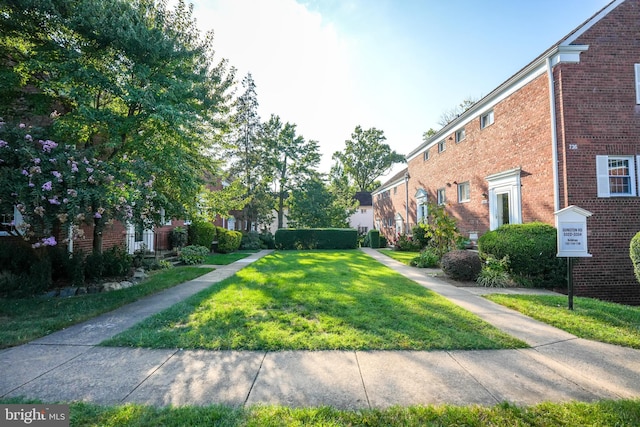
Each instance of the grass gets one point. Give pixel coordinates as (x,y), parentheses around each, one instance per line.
(225,259)
(603,413)
(591,318)
(316,300)
(402,256)
(23,320)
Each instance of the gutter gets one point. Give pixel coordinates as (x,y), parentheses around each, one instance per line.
(554,137)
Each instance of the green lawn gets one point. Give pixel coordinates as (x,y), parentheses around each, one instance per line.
(591,318)
(402,256)
(23,320)
(316,300)
(604,413)
(225,259)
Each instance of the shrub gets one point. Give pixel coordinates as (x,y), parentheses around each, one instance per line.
(461,265)
(267,241)
(440,230)
(116,262)
(94,266)
(428,258)
(373,237)
(383,242)
(66,267)
(634,253)
(228,240)
(419,233)
(193,254)
(250,240)
(494,273)
(407,244)
(202,233)
(178,237)
(531,249)
(317,238)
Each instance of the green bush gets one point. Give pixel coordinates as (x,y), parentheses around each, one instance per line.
(440,230)
(461,265)
(116,262)
(383,242)
(66,268)
(634,253)
(419,234)
(374,239)
(428,258)
(94,266)
(531,249)
(251,240)
(267,241)
(179,237)
(407,244)
(24,271)
(316,238)
(193,254)
(228,240)
(495,273)
(202,233)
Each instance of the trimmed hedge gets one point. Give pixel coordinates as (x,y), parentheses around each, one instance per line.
(374,239)
(202,233)
(531,249)
(634,254)
(228,240)
(316,238)
(461,265)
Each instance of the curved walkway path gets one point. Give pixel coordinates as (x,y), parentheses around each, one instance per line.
(69,365)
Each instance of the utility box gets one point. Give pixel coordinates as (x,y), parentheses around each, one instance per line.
(571,223)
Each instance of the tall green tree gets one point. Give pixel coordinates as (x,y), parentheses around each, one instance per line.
(124,79)
(313,205)
(292,160)
(366,157)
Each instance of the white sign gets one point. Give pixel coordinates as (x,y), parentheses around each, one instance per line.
(572,237)
(571,223)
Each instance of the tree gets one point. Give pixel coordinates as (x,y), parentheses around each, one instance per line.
(312,205)
(292,160)
(366,157)
(428,134)
(452,114)
(126,80)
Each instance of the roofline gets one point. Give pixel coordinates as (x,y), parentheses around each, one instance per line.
(563,51)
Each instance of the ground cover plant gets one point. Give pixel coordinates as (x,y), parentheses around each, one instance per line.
(225,259)
(316,300)
(23,320)
(603,413)
(402,256)
(591,318)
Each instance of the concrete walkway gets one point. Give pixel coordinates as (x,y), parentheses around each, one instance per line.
(68,365)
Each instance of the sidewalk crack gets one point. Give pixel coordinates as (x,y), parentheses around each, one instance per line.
(253,383)
(364,387)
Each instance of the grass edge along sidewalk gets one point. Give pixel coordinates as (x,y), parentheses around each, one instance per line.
(602,413)
(316,300)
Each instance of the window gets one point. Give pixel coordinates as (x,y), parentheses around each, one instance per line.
(442,145)
(616,176)
(441,196)
(363,211)
(426,155)
(486,119)
(464,192)
(362,229)
(460,135)
(637,83)
(395,190)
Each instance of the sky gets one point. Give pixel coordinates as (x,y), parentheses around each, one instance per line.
(396,65)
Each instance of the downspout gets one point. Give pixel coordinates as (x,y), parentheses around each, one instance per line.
(554,138)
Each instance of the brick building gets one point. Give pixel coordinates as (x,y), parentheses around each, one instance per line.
(564,130)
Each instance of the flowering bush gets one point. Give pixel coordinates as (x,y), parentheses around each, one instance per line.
(193,254)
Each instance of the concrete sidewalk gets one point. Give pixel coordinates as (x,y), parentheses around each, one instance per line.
(68,365)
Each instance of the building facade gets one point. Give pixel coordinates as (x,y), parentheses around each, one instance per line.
(564,130)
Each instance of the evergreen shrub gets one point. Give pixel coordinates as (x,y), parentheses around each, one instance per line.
(228,240)
(202,233)
(461,265)
(316,238)
(373,237)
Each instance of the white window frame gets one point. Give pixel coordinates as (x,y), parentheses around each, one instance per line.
(637,68)
(603,177)
(462,197)
(442,146)
(425,156)
(442,196)
(460,135)
(422,210)
(486,119)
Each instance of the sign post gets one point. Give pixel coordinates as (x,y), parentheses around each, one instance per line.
(571,223)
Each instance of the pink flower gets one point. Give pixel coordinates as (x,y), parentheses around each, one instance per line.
(3,143)
(97,215)
(25,172)
(22,126)
(28,137)
(54,201)
(47,186)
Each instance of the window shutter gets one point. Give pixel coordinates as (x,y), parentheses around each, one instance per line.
(637,83)
(602,172)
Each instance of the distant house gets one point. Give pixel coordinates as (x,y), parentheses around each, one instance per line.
(564,130)
(362,218)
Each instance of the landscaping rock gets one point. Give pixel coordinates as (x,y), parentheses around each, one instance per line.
(139,274)
(111,286)
(125,284)
(82,290)
(68,292)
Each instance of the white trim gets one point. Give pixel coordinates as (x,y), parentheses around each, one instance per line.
(507,182)
(637,68)
(602,173)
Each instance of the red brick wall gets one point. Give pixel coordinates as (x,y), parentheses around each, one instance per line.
(519,137)
(385,209)
(599,115)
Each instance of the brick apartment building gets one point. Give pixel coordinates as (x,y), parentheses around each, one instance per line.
(564,130)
